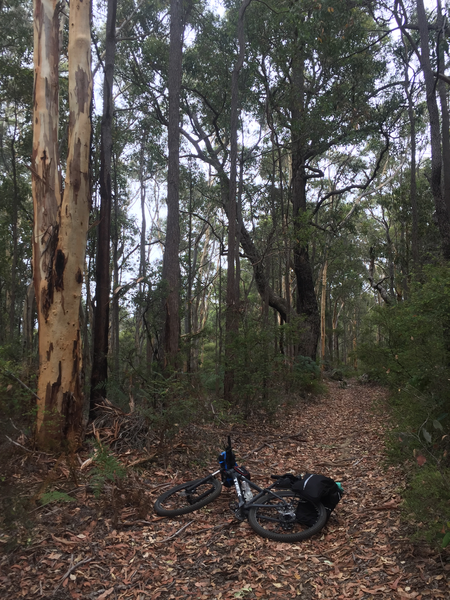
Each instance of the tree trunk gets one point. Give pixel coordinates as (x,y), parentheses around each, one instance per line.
(140,311)
(445,125)
(28,317)
(323,336)
(232,310)
(309,328)
(60,228)
(99,373)
(355,342)
(191,267)
(14,218)
(335,321)
(413,178)
(442,214)
(115,307)
(171,266)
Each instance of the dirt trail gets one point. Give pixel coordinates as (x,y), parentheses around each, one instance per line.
(364,552)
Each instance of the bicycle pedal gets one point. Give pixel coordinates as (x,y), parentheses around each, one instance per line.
(240,515)
(238,512)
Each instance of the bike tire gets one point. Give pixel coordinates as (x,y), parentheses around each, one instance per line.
(277,521)
(177,502)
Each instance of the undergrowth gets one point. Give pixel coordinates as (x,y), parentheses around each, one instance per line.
(412,357)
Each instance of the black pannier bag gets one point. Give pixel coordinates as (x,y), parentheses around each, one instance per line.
(317,487)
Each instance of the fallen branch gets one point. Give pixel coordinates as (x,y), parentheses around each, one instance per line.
(258,449)
(149,458)
(296,437)
(9,374)
(175,534)
(137,522)
(17,444)
(69,571)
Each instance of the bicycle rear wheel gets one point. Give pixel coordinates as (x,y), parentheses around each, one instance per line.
(187,497)
(278,519)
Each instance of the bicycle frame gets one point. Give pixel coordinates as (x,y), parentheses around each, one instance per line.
(280,515)
(237,478)
(243,504)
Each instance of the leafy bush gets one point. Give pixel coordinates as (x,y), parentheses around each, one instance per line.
(412,357)
(253,360)
(306,376)
(17,402)
(427,504)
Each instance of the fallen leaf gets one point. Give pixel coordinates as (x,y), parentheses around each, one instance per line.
(105,594)
(421,460)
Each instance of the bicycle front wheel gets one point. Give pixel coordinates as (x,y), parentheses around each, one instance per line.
(288,518)
(187,497)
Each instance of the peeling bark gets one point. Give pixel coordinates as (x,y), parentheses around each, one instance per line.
(60,227)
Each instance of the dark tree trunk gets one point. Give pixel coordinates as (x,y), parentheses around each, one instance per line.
(99,374)
(14,218)
(191,267)
(114,338)
(442,214)
(171,268)
(232,314)
(445,128)
(307,309)
(413,178)
(142,257)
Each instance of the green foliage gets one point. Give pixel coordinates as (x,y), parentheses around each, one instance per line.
(247,589)
(55,496)
(17,402)
(306,375)
(412,357)
(252,364)
(175,407)
(446,540)
(414,346)
(427,505)
(106,468)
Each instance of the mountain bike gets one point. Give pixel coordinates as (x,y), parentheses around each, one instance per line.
(277,514)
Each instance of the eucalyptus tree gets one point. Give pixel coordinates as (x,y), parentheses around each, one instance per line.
(61,219)
(232,323)
(308,84)
(171,268)
(320,70)
(310,80)
(430,53)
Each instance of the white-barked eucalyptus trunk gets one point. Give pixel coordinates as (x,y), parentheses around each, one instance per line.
(60,222)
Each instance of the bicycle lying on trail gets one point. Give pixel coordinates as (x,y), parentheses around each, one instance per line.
(283,515)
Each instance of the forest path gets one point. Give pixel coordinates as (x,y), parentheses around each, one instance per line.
(364,551)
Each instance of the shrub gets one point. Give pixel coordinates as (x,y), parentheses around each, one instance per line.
(412,357)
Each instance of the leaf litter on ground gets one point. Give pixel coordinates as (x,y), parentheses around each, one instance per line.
(85,550)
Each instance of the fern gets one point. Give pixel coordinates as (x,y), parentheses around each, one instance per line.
(55,496)
(107,468)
